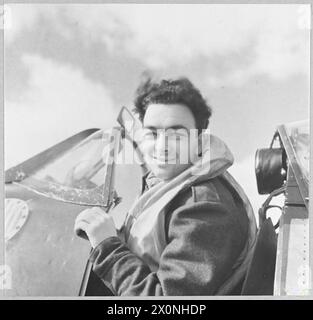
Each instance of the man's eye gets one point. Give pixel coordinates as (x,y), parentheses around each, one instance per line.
(150,135)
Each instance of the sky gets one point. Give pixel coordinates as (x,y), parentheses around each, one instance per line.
(72,67)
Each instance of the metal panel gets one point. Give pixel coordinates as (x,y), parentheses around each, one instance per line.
(45,257)
(292,263)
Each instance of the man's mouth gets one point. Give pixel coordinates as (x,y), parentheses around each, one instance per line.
(163,160)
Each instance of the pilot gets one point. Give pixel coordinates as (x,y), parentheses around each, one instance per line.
(192,230)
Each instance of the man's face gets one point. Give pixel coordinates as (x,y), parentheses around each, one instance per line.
(166,142)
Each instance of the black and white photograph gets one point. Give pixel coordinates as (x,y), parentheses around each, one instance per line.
(154,150)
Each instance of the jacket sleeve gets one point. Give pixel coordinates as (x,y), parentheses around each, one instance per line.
(204,240)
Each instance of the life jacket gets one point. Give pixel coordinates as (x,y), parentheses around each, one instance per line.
(144,225)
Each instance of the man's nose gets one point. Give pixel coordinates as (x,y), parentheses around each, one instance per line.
(161,144)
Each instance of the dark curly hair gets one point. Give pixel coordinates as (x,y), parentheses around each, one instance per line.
(173,91)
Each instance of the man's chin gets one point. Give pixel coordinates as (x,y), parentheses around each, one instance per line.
(162,172)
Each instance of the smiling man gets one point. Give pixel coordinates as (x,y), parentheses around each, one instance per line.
(166,142)
(192,230)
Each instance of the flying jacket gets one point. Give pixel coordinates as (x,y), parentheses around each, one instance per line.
(184,242)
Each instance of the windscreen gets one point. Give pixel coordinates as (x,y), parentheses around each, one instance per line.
(82,175)
(82,167)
